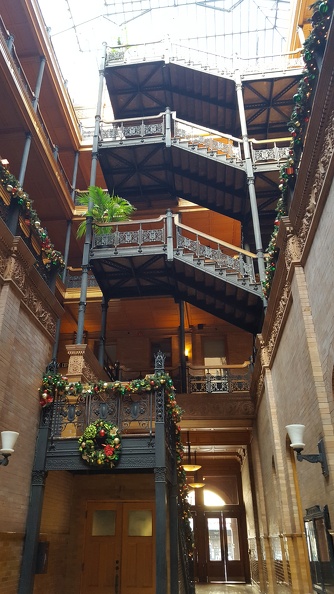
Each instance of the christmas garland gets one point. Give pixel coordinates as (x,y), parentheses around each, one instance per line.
(313,49)
(100,444)
(53,384)
(52,259)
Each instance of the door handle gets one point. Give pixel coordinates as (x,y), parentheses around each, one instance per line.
(116,576)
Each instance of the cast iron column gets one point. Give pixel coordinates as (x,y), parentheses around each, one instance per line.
(88,238)
(75,173)
(160,482)
(182,350)
(30,548)
(250,179)
(174,529)
(104,307)
(63,278)
(14,211)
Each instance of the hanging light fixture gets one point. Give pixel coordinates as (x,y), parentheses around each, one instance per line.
(196,483)
(189,467)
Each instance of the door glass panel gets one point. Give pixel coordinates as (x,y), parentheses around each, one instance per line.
(232,537)
(215,553)
(140,522)
(311,541)
(104,522)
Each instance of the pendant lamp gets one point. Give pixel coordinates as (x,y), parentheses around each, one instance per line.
(189,467)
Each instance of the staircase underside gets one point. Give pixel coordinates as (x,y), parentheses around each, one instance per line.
(152,176)
(147,88)
(152,276)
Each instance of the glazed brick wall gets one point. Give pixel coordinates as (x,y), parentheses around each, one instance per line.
(24,352)
(55,529)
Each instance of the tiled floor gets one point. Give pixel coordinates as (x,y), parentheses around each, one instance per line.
(225,589)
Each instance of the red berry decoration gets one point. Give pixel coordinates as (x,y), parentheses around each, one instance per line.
(102,433)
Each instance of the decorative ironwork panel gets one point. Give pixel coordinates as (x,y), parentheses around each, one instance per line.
(222,261)
(104,407)
(68,410)
(136,410)
(137,237)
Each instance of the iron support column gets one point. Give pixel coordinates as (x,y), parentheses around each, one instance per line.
(10,43)
(160,483)
(75,173)
(29,557)
(63,278)
(88,238)
(174,531)
(24,160)
(39,83)
(104,307)
(182,350)
(67,249)
(14,209)
(250,178)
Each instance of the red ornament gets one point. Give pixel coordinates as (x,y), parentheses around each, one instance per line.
(102,433)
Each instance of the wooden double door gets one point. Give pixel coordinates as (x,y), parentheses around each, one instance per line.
(119,548)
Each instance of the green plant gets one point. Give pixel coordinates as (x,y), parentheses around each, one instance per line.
(103,208)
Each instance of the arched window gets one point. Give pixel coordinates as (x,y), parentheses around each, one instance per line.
(211,499)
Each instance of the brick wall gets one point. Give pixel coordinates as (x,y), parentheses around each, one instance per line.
(27,317)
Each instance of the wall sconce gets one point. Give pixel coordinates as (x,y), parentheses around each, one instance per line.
(8,440)
(296,434)
(186,354)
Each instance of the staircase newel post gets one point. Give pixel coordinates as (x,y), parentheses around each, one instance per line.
(241,265)
(169,225)
(160,472)
(168,131)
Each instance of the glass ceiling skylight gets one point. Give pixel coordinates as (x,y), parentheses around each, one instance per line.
(224,28)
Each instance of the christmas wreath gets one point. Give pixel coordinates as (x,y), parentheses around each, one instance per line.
(100,444)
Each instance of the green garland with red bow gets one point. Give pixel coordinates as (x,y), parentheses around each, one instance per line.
(313,49)
(52,258)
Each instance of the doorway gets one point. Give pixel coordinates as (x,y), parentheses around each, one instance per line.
(224,559)
(119,548)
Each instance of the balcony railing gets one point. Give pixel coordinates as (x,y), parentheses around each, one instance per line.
(219,380)
(166,127)
(203,60)
(226,379)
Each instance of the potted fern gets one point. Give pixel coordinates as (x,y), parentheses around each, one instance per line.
(103,208)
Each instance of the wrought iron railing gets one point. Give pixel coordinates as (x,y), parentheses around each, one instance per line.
(150,235)
(135,128)
(213,141)
(270,151)
(74,279)
(219,380)
(135,234)
(130,412)
(224,255)
(191,136)
(203,60)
